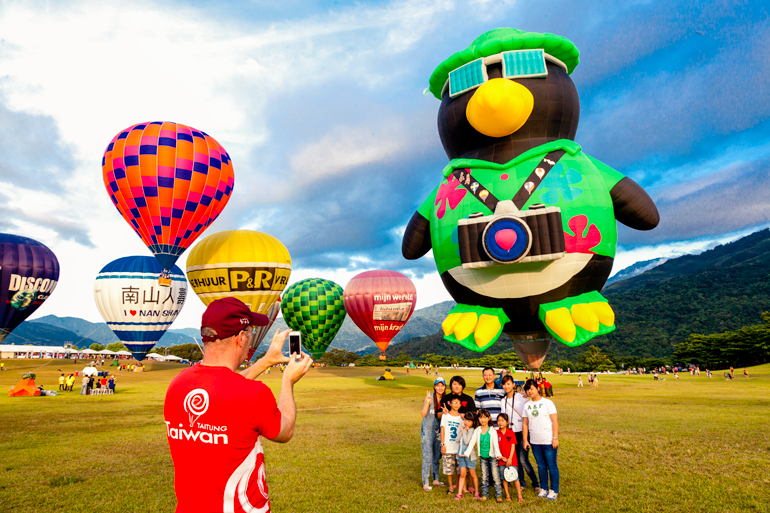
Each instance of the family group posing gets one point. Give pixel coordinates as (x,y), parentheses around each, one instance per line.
(460,430)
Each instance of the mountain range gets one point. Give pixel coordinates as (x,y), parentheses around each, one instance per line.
(718,290)
(657,303)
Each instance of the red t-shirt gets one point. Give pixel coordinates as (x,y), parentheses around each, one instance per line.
(506,442)
(214,418)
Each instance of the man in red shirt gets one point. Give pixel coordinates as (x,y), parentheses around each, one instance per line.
(214,416)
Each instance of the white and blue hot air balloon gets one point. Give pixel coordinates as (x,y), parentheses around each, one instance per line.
(134,306)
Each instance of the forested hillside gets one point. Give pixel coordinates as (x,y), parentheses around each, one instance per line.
(720,290)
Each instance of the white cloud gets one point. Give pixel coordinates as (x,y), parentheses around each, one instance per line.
(344,148)
(95,68)
(628,257)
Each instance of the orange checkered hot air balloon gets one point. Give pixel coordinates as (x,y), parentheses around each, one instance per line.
(169,182)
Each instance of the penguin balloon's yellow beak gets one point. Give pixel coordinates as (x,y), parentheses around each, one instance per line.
(499,107)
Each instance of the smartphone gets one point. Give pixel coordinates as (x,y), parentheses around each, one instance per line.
(295,343)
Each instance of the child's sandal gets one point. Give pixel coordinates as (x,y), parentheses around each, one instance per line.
(477,496)
(458,496)
(521,499)
(499,499)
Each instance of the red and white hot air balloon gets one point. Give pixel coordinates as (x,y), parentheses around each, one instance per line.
(380,303)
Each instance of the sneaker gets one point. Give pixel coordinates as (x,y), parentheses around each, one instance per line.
(551,495)
(543,493)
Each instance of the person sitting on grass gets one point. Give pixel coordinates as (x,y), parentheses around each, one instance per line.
(541,430)
(485,442)
(451,428)
(506,440)
(467,464)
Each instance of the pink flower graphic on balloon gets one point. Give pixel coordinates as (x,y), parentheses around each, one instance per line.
(453,192)
(582,241)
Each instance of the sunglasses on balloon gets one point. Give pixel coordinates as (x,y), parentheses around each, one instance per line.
(515,64)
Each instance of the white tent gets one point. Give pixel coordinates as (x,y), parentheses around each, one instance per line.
(156,356)
(106,352)
(173,358)
(90,371)
(88,351)
(123,353)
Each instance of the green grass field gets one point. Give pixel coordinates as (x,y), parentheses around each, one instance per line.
(632,444)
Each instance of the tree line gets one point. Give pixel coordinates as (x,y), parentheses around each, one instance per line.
(746,346)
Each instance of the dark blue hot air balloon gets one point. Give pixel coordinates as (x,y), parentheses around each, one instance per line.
(29,272)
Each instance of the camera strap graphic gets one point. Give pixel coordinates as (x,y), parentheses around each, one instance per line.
(537,176)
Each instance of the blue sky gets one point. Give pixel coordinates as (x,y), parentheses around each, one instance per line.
(321,108)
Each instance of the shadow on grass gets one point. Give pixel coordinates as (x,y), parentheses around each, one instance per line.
(64,481)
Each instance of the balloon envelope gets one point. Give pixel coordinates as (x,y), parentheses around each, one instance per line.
(260,331)
(314,307)
(248,265)
(134,306)
(169,182)
(29,272)
(380,303)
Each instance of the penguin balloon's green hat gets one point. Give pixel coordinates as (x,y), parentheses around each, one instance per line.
(557,49)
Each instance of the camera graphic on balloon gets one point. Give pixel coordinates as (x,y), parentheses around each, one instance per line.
(511,236)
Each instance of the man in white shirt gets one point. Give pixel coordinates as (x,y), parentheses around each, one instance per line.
(540,429)
(513,406)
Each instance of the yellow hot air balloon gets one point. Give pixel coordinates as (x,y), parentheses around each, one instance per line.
(251,266)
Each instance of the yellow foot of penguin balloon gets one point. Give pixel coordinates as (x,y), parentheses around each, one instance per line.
(474,327)
(576,320)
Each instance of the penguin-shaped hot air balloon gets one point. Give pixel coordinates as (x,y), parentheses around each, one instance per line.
(522,225)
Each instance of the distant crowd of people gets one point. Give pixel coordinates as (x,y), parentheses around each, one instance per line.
(88,384)
(495,429)
(593,380)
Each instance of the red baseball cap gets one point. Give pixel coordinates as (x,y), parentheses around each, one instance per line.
(228,316)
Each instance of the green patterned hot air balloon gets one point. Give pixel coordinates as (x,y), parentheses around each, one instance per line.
(314,307)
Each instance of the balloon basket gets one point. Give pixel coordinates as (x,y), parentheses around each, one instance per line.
(165,279)
(383,357)
(531,348)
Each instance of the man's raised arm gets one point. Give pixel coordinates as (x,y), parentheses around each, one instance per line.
(297,367)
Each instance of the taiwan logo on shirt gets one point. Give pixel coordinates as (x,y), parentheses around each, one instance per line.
(195,404)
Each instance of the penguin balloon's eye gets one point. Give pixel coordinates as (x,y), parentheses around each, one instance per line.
(515,64)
